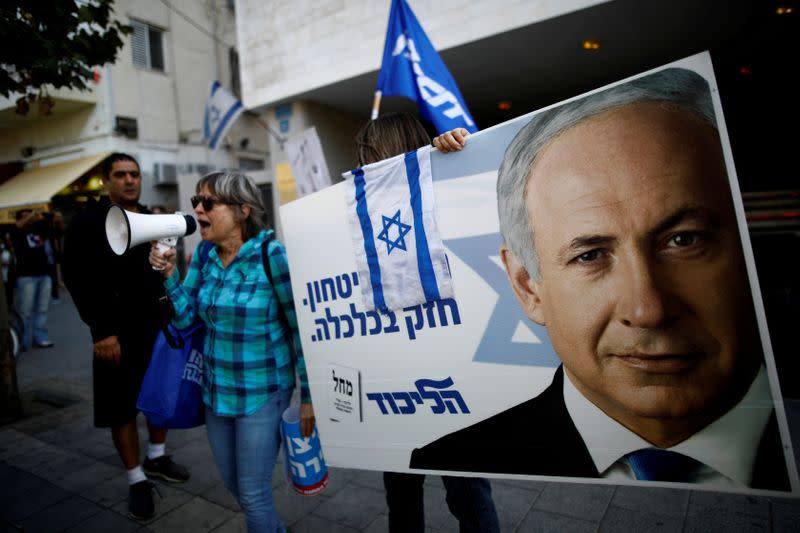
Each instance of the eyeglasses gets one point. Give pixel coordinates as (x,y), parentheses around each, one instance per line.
(208,203)
(122,173)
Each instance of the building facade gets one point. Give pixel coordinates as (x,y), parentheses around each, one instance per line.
(149,103)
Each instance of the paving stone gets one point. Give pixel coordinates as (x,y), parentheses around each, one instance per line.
(712,511)
(9,436)
(195,516)
(292,506)
(220,495)
(170,498)
(35,499)
(236,524)
(87,477)
(63,514)
(587,502)
(198,459)
(544,522)
(316,524)
(368,478)
(62,465)
(106,521)
(670,502)
(512,503)
(643,520)
(728,503)
(356,506)
(527,484)
(110,492)
(786,515)
(379,525)
(437,514)
(15,481)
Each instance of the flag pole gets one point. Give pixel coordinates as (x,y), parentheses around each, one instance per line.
(376,104)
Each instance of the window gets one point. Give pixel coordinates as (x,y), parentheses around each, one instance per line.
(233,59)
(147,43)
(246,163)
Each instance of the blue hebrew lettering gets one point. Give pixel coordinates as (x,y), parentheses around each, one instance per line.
(378,397)
(409,408)
(349,321)
(310,300)
(341,280)
(324,324)
(330,318)
(423,384)
(390,400)
(453,306)
(416,326)
(392,327)
(326,283)
(377,317)
(455,395)
(361,317)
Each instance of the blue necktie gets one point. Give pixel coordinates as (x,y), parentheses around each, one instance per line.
(655,464)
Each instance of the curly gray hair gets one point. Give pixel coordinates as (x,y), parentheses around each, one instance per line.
(236,190)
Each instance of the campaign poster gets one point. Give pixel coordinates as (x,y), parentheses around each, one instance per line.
(606,324)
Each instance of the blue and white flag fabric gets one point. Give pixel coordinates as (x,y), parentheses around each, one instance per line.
(399,252)
(222,110)
(412,68)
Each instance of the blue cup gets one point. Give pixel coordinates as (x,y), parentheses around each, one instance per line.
(304,465)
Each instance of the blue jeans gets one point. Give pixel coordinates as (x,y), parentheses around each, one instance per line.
(32,299)
(468,498)
(245,449)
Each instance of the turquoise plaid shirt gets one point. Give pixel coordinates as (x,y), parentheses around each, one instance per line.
(247,357)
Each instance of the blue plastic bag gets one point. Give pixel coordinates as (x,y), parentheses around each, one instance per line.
(172,391)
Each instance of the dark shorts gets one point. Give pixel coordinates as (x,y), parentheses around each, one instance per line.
(116,386)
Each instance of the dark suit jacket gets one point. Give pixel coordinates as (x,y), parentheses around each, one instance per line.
(538,437)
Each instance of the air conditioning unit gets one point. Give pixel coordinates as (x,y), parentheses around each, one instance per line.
(165,174)
(127,126)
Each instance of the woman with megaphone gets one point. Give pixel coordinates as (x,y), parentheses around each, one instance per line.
(249,359)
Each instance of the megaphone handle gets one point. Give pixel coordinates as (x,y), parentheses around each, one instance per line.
(165,244)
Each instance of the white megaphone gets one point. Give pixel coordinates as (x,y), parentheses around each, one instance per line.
(125,229)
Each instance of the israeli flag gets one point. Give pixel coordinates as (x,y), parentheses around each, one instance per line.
(222,110)
(399,253)
(412,68)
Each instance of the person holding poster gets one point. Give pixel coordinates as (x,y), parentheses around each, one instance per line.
(620,237)
(468,498)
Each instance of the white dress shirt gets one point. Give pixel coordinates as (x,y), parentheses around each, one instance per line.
(726,448)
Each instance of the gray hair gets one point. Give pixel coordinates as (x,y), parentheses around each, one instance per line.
(677,88)
(236,190)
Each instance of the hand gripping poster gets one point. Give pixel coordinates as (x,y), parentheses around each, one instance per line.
(588,306)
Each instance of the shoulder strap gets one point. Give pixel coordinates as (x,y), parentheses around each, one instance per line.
(265,258)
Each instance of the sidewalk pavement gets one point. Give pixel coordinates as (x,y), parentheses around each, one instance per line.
(60,473)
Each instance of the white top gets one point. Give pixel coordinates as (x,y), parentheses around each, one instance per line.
(727,447)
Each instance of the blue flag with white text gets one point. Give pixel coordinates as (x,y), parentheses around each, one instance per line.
(222,110)
(399,250)
(412,68)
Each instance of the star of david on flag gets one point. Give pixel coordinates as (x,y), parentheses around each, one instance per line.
(401,185)
(222,110)
(402,230)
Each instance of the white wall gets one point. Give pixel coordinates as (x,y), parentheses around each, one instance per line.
(291,46)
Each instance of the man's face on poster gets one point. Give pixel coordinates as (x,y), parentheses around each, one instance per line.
(642,286)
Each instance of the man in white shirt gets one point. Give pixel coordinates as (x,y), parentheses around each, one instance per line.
(621,238)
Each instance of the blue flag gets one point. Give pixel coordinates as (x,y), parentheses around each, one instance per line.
(222,110)
(412,68)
